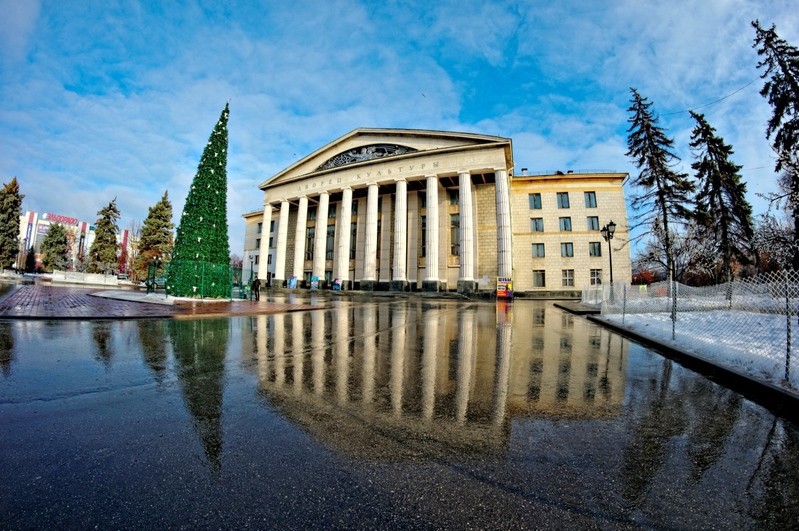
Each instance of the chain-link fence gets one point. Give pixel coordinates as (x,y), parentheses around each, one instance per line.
(751,325)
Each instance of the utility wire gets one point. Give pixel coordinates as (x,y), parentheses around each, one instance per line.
(712,102)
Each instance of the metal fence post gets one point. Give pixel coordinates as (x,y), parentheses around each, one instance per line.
(788,329)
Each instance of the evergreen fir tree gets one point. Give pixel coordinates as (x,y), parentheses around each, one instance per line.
(156,240)
(721,205)
(200,259)
(103,251)
(55,248)
(664,191)
(781,69)
(10,210)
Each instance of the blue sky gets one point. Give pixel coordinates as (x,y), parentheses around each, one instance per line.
(104,99)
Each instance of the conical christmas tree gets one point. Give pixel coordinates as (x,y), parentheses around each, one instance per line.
(200,265)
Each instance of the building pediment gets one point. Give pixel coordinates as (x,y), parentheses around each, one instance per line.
(366,146)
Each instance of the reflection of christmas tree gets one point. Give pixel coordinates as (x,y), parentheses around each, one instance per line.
(199,347)
(201,256)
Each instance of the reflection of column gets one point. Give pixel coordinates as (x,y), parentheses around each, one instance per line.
(260,348)
(429,365)
(342,352)
(318,351)
(321,237)
(343,237)
(397,359)
(282,241)
(369,350)
(299,238)
(504,259)
(263,250)
(466,348)
(399,279)
(431,283)
(466,280)
(279,350)
(370,243)
(503,366)
(297,349)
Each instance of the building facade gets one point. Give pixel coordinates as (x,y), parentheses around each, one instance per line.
(391,209)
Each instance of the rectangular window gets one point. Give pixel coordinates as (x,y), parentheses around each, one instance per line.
(454,196)
(538,250)
(455,234)
(269,260)
(331,211)
(535,201)
(596,277)
(353,240)
(590,199)
(260,227)
(568,278)
(379,237)
(567,249)
(423,235)
(537,224)
(539,278)
(271,242)
(311,213)
(310,236)
(565,224)
(422,199)
(257,243)
(354,207)
(272,226)
(593,222)
(257,256)
(331,234)
(563,199)
(594,249)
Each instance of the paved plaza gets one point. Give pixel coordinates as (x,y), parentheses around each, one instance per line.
(45,301)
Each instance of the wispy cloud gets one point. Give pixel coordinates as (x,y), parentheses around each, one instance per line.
(117,99)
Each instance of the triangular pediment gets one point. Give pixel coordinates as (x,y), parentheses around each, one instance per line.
(362,146)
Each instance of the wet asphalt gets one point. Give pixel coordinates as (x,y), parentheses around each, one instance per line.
(393,413)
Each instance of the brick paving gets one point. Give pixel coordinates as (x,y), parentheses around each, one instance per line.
(44,301)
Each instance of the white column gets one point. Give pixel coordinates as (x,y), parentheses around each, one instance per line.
(343,237)
(504,258)
(299,238)
(431,260)
(400,275)
(282,241)
(467,227)
(321,236)
(263,250)
(370,244)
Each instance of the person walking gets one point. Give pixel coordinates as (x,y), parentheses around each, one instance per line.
(256,289)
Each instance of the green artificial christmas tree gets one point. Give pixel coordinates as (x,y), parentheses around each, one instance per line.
(200,265)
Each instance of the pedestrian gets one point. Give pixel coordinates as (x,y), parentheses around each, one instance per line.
(256,289)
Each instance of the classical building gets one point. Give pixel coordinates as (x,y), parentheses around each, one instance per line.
(399,209)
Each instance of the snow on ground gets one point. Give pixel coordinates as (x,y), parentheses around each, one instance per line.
(749,342)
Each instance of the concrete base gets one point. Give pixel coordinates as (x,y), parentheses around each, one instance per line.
(431,285)
(467,287)
(399,285)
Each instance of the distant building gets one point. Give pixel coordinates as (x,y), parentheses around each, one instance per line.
(80,235)
(399,209)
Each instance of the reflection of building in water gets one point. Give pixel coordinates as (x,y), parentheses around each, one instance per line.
(379,378)
(566,367)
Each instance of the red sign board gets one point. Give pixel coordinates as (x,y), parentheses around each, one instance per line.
(60,219)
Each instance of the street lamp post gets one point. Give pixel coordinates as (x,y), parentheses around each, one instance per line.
(607,233)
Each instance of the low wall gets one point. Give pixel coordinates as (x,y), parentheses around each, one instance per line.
(73,277)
